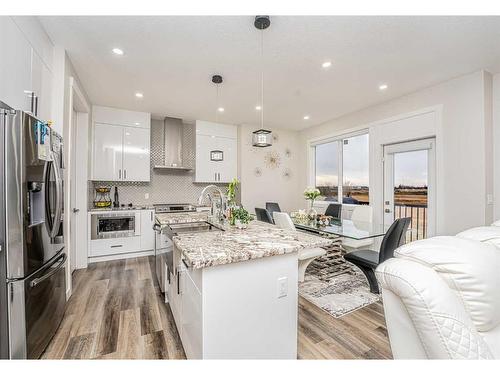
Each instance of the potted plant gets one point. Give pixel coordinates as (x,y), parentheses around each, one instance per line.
(232,188)
(241,217)
(311,194)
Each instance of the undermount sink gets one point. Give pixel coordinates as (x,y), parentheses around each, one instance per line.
(176,229)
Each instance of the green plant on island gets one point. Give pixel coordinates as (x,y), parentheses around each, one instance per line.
(232,188)
(242,215)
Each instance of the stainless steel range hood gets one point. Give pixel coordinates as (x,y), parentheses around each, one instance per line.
(172,145)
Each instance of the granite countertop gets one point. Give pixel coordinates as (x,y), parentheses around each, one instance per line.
(181,218)
(205,249)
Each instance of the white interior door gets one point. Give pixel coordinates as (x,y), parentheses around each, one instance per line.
(409,186)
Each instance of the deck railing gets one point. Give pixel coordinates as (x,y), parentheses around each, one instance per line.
(418,215)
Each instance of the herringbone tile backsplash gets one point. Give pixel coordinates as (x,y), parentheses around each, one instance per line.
(165,186)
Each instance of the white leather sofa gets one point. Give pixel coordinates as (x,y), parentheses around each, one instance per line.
(442,297)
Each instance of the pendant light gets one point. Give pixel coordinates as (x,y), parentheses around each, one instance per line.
(217,79)
(262,137)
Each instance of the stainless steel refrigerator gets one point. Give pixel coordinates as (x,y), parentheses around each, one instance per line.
(32,258)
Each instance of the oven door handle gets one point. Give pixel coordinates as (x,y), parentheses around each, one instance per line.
(38,280)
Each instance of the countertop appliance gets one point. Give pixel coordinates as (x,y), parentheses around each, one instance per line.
(32,258)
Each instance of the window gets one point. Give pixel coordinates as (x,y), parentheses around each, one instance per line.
(355,169)
(346,160)
(327,170)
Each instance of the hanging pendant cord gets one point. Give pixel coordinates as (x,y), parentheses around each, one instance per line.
(262,79)
(216,102)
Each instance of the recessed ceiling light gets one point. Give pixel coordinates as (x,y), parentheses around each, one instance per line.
(306,117)
(139,95)
(326,64)
(117,51)
(383,87)
(258,107)
(220,109)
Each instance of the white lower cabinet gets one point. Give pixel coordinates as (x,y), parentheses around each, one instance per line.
(233,311)
(142,243)
(191,330)
(147,232)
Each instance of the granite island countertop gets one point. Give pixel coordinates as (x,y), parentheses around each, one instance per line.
(181,218)
(259,240)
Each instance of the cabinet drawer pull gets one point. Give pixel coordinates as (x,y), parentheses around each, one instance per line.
(116,245)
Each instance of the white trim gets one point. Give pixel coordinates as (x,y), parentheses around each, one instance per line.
(78,103)
(339,137)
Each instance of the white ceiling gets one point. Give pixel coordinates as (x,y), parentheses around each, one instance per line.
(171,60)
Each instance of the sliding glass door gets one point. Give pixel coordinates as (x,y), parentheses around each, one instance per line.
(409,186)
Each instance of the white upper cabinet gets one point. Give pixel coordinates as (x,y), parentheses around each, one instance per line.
(15,66)
(23,73)
(136,154)
(216,152)
(41,80)
(121,147)
(108,152)
(123,117)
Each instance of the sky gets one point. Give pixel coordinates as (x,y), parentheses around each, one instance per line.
(410,168)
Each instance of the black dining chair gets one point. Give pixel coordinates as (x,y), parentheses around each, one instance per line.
(334,210)
(272,207)
(368,260)
(263,215)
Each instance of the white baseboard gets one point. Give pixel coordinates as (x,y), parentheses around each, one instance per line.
(106,258)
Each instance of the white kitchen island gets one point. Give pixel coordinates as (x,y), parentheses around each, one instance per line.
(233,293)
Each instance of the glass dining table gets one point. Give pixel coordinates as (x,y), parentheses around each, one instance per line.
(353,229)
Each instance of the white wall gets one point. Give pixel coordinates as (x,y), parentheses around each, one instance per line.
(272,185)
(496,142)
(464,176)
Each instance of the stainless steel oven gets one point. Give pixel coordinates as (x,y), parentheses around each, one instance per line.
(114,225)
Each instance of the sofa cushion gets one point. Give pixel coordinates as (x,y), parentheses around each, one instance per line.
(489,234)
(470,268)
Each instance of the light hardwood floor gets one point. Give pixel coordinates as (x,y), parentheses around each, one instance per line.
(116,312)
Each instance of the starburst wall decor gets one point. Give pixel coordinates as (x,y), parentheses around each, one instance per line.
(272,160)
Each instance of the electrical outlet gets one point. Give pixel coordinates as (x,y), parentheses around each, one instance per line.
(146,196)
(282,287)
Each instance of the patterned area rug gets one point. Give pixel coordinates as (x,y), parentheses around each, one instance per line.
(339,296)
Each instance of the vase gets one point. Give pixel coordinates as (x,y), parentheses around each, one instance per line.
(312,213)
(240,225)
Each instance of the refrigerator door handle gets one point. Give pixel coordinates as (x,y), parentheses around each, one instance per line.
(38,280)
(59,200)
(53,224)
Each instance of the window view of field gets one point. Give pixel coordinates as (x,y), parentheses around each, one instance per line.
(410,180)
(410,191)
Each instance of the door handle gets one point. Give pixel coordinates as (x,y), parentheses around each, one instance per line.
(119,174)
(387,211)
(36,106)
(45,277)
(75,210)
(124,174)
